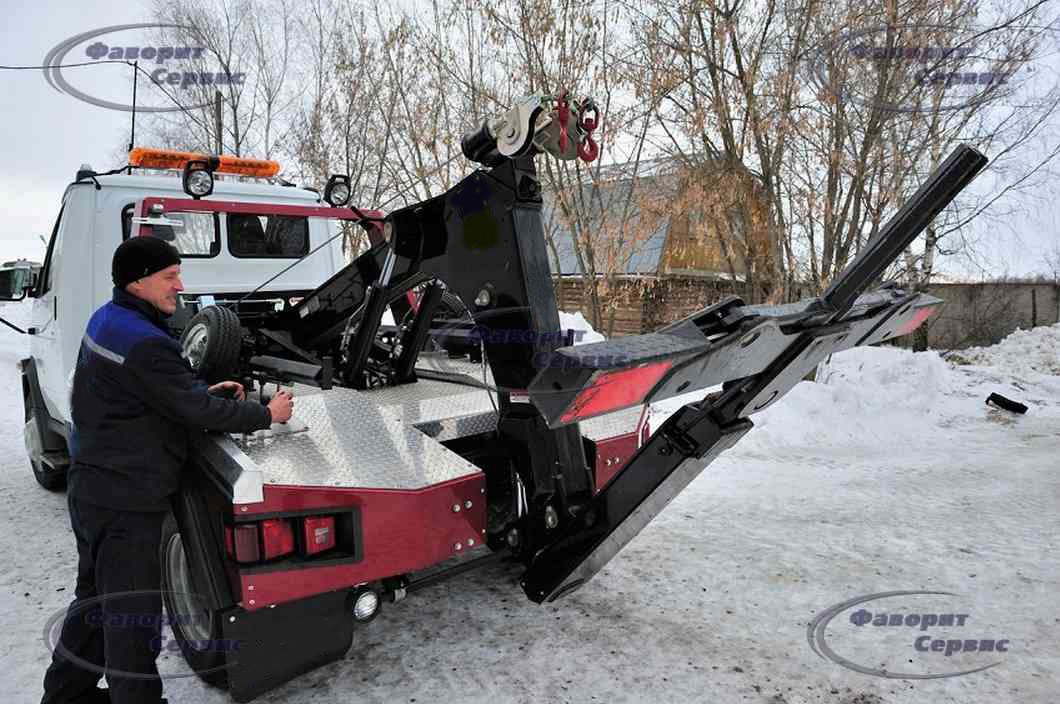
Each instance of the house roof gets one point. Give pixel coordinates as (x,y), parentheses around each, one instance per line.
(616,184)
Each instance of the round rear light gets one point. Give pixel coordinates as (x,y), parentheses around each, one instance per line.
(366,605)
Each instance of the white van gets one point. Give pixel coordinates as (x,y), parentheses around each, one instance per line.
(248,232)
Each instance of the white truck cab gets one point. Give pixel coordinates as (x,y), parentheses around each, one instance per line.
(245,233)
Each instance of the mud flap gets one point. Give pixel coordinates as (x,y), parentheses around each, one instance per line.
(272,646)
(671,459)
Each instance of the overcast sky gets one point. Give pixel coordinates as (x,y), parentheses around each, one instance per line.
(49,134)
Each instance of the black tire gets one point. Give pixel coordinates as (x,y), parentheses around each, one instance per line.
(212,342)
(50,479)
(191,621)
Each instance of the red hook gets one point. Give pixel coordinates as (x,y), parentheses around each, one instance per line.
(563,112)
(588,150)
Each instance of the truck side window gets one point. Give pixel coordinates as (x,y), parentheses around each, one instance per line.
(44,281)
(193,234)
(267,235)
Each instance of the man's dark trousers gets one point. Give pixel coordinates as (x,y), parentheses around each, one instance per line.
(117,552)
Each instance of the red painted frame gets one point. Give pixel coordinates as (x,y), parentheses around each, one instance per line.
(184,205)
(231,206)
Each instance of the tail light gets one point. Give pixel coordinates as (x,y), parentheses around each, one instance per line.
(245,546)
(318,534)
(613,391)
(277,537)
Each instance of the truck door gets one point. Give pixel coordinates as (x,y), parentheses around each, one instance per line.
(46,342)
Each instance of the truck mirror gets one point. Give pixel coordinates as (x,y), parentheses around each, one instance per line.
(14,282)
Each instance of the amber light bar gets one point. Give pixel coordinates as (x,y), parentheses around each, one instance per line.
(148,158)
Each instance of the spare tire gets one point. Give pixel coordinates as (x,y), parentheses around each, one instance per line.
(211,343)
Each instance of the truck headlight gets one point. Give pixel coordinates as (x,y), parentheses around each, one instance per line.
(337,190)
(198,179)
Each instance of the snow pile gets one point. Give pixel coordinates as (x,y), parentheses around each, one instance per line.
(576,321)
(1022,353)
(869,398)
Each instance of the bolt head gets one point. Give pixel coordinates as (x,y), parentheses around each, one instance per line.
(458,546)
(456,508)
(467,504)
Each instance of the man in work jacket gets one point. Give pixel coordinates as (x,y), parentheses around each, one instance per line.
(135,400)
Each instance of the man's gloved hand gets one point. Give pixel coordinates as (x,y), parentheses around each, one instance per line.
(281,406)
(229,389)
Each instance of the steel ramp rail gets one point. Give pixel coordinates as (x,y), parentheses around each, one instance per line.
(758,353)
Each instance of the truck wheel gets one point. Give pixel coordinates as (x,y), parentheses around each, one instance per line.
(196,628)
(50,479)
(211,343)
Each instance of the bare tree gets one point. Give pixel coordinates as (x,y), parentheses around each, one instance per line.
(839,111)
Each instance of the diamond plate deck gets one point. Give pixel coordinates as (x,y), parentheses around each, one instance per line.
(353,442)
(388,438)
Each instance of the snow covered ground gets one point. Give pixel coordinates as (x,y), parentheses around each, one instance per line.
(891,474)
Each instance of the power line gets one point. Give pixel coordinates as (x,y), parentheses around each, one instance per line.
(86,63)
(114,61)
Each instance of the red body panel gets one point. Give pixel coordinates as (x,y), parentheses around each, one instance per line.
(403,531)
(612,455)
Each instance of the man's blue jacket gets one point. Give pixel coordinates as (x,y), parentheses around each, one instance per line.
(135,401)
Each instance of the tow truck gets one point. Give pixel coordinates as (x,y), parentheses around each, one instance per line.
(465,429)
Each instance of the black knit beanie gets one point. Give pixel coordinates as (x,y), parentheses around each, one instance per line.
(141,256)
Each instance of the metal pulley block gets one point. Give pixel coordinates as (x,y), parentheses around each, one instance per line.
(555,125)
(515,129)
